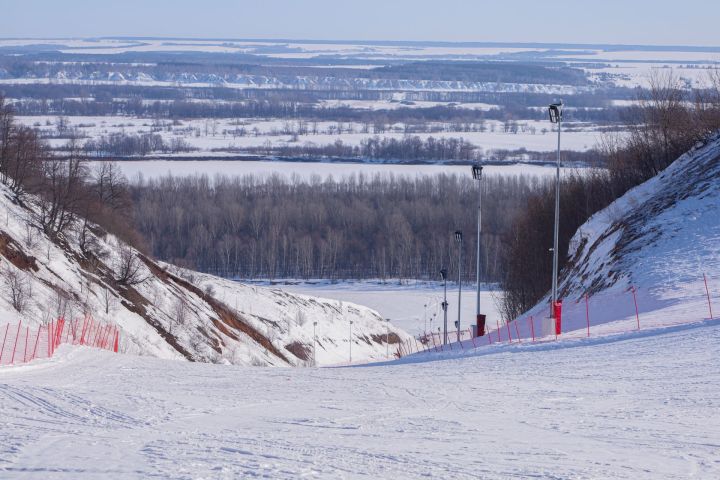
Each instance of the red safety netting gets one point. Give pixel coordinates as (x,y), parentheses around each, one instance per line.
(606,313)
(22,343)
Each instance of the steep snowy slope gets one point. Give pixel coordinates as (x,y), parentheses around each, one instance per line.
(168,312)
(659,238)
(663,233)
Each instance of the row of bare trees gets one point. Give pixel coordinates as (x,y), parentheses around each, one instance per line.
(63,186)
(358,227)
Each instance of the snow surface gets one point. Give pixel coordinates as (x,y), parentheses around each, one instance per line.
(621,408)
(414,307)
(531,135)
(307,170)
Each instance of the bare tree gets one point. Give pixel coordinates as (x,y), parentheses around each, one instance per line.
(180,313)
(63,190)
(128,267)
(19,289)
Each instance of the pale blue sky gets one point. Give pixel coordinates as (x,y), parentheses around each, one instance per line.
(687,22)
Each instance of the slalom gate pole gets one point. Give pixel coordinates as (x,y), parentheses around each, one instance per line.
(517,330)
(532,328)
(27,334)
(2,349)
(707,291)
(637,313)
(587,314)
(37,339)
(17,335)
(117,341)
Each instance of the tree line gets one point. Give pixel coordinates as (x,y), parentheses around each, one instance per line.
(361,226)
(69,199)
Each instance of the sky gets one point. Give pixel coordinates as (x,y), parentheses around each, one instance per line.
(646,22)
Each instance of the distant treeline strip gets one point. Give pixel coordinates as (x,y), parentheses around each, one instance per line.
(358,227)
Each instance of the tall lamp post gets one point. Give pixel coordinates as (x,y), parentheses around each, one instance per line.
(351,322)
(314,344)
(444,304)
(556,112)
(458,239)
(477,175)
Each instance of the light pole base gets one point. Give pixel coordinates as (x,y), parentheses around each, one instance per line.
(480,324)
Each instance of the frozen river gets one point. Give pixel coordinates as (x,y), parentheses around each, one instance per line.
(306,170)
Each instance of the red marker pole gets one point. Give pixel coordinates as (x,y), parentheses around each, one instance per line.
(82,334)
(532,328)
(17,335)
(37,339)
(587,314)
(2,349)
(27,334)
(637,313)
(707,291)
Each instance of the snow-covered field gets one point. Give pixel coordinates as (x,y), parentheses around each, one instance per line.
(307,170)
(629,407)
(223,136)
(414,307)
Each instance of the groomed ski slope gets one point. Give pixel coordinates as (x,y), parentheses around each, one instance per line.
(636,406)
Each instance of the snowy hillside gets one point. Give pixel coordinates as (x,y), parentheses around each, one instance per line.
(663,233)
(168,312)
(660,238)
